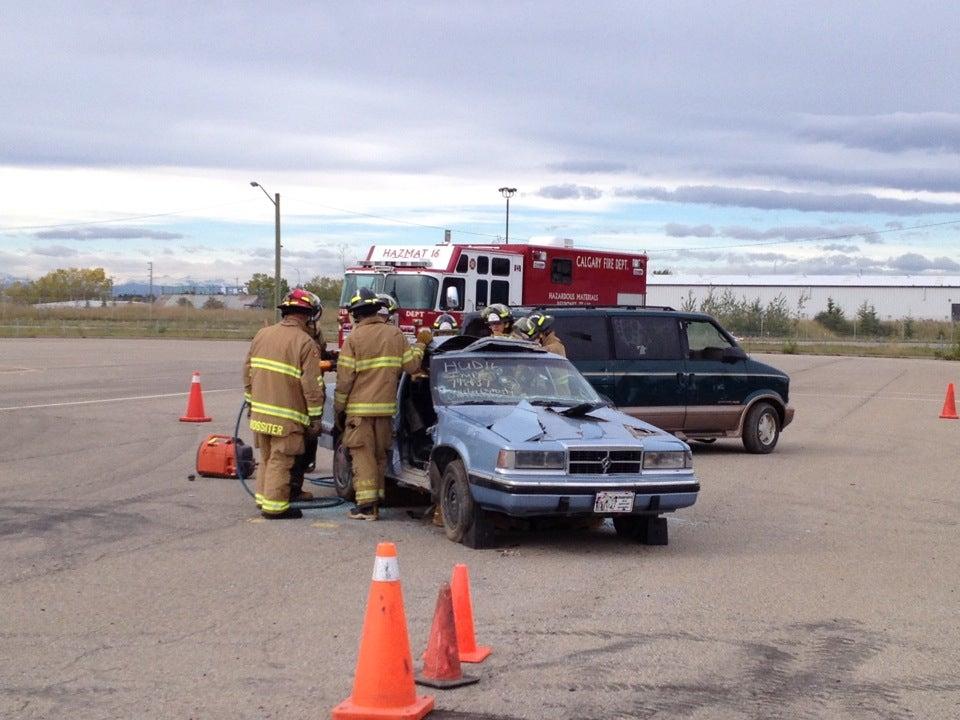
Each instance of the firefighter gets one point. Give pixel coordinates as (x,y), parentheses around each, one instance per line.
(521,329)
(499,319)
(371,360)
(306,461)
(542,324)
(282,383)
(445,325)
(388,308)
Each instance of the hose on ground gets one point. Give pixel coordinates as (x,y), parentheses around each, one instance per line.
(316,504)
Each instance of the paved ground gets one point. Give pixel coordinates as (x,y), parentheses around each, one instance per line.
(820,581)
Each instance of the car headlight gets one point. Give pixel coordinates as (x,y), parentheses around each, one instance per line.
(667,460)
(532,460)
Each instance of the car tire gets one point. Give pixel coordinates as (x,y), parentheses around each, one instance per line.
(761,429)
(343,473)
(463,519)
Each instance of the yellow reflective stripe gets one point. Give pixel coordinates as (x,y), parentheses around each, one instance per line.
(384,361)
(258,499)
(361,408)
(362,497)
(346,361)
(247,396)
(281,412)
(276,366)
(274,506)
(414,352)
(340,396)
(314,410)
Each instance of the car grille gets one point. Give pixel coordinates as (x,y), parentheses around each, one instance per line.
(599,461)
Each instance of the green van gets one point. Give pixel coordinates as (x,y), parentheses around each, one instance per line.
(677,370)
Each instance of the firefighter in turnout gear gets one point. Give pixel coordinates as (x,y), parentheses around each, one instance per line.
(541,327)
(282,383)
(306,460)
(499,319)
(368,371)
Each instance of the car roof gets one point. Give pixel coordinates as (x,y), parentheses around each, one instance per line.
(466,344)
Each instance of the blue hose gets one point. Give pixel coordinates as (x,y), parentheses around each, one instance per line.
(318,504)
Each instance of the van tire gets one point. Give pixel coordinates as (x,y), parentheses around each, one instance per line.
(463,519)
(761,429)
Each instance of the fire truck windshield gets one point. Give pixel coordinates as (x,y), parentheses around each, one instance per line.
(354,281)
(413,292)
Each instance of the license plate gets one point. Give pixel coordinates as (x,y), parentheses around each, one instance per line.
(613,502)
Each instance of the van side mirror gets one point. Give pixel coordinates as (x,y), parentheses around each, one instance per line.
(452,298)
(733,354)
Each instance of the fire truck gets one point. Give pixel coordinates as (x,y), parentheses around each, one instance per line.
(428,280)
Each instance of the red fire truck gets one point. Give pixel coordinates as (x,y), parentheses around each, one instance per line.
(428,280)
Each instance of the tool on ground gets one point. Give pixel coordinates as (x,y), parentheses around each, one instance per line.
(949,411)
(383,682)
(220,455)
(441,661)
(195,411)
(463,617)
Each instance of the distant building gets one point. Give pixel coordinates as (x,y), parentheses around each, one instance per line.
(230,302)
(923,297)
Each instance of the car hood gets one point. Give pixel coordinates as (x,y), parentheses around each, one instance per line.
(525,422)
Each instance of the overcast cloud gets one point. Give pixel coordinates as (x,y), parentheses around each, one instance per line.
(646,122)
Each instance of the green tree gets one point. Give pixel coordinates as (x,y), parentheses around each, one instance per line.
(867,321)
(64,284)
(262,286)
(326,288)
(184,302)
(213,303)
(833,318)
(777,318)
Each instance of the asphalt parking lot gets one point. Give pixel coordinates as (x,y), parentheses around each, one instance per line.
(820,581)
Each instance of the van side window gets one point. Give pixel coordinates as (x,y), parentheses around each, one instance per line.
(483,264)
(584,337)
(462,264)
(704,340)
(499,292)
(500,266)
(481,294)
(646,338)
(561,271)
(460,285)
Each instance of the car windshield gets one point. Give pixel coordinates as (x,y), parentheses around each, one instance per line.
(506,380)
(413,292)
(354,281)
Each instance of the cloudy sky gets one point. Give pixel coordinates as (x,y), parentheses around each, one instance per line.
(814,137)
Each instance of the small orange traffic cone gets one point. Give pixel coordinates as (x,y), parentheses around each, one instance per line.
(195,411)
(949,411)
(463,618)
(441,661)
(383,682)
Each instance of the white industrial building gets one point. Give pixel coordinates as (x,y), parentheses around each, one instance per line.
(923,297)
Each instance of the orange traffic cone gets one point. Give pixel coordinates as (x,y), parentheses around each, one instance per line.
(463,618)
(195,411)
(441,661)
(383,683)
(949,411)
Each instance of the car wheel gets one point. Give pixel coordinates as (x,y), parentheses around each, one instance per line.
(761,430)
(629,526)
(342,473)
(463,520)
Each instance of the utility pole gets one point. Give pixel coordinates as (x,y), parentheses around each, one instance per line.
(276,257)
(150,268)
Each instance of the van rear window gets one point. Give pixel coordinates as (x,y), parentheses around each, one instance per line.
(584,337)
(641,337)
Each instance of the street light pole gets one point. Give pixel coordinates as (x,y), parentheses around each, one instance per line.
(508,192)
(276,250)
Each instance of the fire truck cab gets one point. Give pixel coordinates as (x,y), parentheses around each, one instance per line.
(427,280)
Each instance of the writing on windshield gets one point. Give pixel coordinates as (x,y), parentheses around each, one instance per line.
(502,381)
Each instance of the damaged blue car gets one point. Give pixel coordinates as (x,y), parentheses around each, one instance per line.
(502,433)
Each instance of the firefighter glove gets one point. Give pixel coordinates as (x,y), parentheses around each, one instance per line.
(316,427)
(424,336)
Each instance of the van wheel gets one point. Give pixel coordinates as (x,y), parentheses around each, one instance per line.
(761,429)
(343,473)
(463,520)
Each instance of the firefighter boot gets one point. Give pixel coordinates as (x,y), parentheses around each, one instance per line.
(364,512)
(288,514)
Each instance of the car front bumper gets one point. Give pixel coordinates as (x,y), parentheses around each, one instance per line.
(528,499)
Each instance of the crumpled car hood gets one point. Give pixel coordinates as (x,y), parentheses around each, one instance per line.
(525,422)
